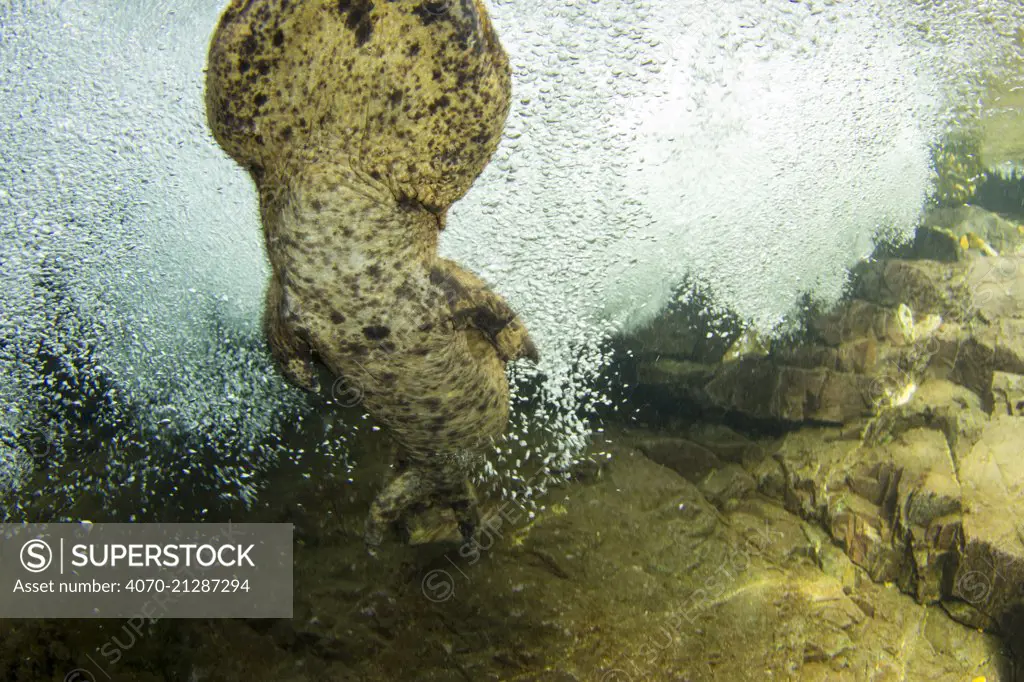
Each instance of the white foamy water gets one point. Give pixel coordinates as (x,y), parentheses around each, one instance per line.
(758,147)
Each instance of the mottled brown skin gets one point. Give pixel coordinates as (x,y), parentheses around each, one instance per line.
(361,122)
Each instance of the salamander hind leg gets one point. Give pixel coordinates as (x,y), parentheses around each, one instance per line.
(438,481)
(463,503)
(401,497)
(475,305)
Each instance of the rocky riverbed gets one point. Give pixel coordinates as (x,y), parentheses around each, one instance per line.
(634,574)
(900,414)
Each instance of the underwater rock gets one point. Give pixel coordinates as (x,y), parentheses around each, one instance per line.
(940,522)
(1005,338)
(653,583)
(990,570)
(764,389)
(753,574)
(952,409)
(860,358)
(923,370)
(996,287)
(690,460)
(859,319)
(924,286)
(634,576)
(927,509)
(355,175)
(728,444)
(724,487)
(908,320)
(809,384)
(967,225)
(1008,394)
(875,502)
(673,382)
(991,339)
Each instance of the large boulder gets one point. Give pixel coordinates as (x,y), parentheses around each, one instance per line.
(901,419)
(936,507)
(990,570)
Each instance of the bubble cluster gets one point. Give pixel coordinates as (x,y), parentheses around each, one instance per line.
(757,149)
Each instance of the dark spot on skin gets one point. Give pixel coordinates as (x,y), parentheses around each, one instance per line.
(244,66)
(433,11)
(363,33)
(482,407)
(260,100)
(337,318)
(376,332)
(358,18)
(453,290)
(278,38)
(374,271)
(486,321)
(286,134)
(250,44)
(414,49)
(396,97)
(407,203)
